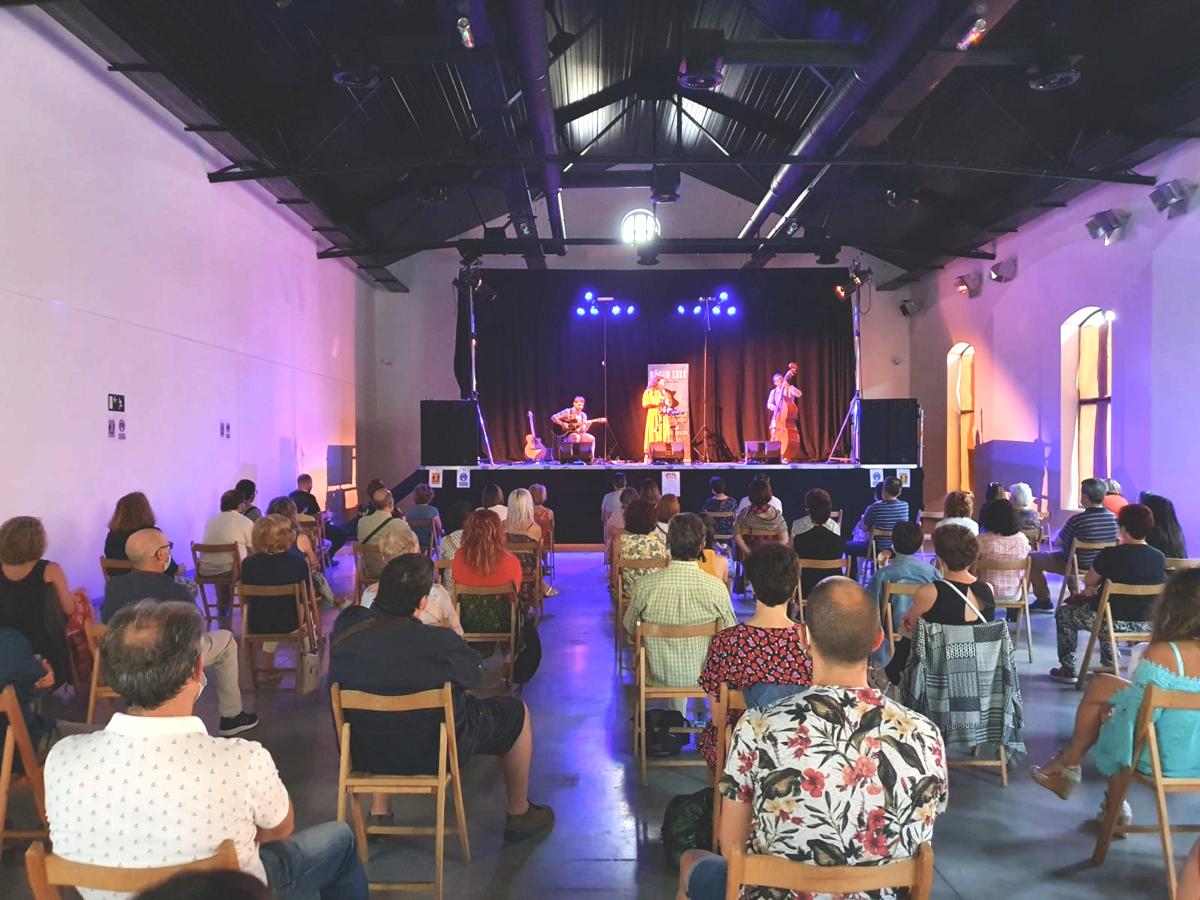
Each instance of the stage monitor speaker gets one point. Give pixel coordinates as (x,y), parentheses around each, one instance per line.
(666,451)
(339,464)
(888,432)
(449,433)
(574,451)
(764,452)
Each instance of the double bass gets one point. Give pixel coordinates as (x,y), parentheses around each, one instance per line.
(783,419)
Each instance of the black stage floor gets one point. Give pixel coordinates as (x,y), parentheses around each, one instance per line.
(575,491)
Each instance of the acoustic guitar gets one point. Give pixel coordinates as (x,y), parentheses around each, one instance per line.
(535,450)
(573,425)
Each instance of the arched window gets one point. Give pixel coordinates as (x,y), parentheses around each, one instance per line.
(960,417)
(1087,397)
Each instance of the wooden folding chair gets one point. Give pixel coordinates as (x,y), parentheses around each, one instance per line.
(510,595)
(1145,743)
(533,585)
(928,520)
(441,569)
(428,536)
(623,598)
(111,567)
(19,745)
(304,636)
(890,627)
(1103,624)
(647,691)
(1175,564)
(314,527)
(867,569)
(368,566)
(722,523)
(1035,536)
(752,537)
(353,783)
(47,872)
(612,543)
(225,581)
(549,556)
(728,700)
(1072,575)
(829,566)
(1019,601)
(99,690)
(914,873)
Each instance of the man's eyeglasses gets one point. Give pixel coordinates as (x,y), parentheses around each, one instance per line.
(169,545)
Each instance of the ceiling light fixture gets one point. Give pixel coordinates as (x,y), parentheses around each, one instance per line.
(974,34)
(858,277)
(969,285)
(465,34)
(664,184)
(1172,196)
(639,226)
(1108,224)
(703,59)
(1053,74)
(647,255)
(1003,271)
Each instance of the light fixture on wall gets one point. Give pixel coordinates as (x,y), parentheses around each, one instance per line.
(909,308)
(969,285)
(639,226)
(1172,196)
(1005,270)
(1108,224)
(858,277)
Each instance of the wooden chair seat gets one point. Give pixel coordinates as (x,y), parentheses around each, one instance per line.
(19,745)
(1102,624)
(746,869)
(352,783)
(47,873)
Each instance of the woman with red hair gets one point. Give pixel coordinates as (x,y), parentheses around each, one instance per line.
(482,561)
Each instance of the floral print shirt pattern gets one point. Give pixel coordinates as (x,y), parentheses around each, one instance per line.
(837,776)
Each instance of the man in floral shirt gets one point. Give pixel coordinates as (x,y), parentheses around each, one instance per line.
(835,775)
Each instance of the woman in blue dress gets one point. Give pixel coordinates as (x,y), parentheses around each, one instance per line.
(1108,712)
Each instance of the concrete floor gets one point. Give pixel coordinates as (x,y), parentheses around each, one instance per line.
(992,843)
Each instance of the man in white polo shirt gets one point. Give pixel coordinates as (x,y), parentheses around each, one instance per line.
(154,789)
(228,526)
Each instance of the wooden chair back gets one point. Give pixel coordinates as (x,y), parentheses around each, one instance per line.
(304,636)
(441,569)
(728,701)
(47,872)
(1018,601)
(224,583)
(19,745)
(512,596)
(99,689)
(890,627)
(1073,573)
(914,873)
(1175,564)
(1035,537)
(621,565)
(1155,700)
(111,567)
(1102,627)
(839,566)
(529,552)
(722,523)
(314,528)
(368,566)
(428,534)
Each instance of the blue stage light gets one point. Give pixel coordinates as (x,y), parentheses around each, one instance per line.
(723,296)
(732,310)
(616,309)
(588,296)
(630,310)
(697,309)
(593,311)
(579,311)
(716,310)
(679,309)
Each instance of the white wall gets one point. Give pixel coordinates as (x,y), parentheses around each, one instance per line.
(122,270)
(1148,279)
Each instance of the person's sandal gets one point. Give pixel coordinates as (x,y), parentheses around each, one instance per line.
(1062,782)
(534,821)
(1125,818)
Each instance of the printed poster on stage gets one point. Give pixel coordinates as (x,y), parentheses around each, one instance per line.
(676,425)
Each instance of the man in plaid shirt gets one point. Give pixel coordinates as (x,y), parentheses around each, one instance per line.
(680,594)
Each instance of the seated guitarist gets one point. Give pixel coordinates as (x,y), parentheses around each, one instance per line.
(574,423)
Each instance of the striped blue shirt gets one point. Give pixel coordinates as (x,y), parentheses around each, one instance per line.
(885,514)
(1095,525)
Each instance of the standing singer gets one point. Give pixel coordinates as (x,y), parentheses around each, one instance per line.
(659,404)
(781,403)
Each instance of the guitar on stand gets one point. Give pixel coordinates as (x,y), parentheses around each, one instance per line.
(784,414)
(535,450)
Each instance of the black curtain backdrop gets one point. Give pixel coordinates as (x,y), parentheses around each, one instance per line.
(535,353)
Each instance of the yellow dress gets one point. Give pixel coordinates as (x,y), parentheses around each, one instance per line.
(658,426)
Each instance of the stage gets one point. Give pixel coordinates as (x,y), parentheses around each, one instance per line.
(575,490)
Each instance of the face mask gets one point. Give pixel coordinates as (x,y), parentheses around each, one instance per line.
(203,685)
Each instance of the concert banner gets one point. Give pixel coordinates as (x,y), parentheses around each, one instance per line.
(676,425)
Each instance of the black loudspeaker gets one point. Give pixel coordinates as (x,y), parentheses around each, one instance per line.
(339,464)
(888,432)
(449,433)
(666,451)
(763,451)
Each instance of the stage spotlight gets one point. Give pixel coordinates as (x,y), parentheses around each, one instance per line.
(703,59)
(593,311)
(630,310)
(716,310)
(1005,270)
(579,311)
(1109,316)
(1172,196)
(731,310)
(723,296)
(465,34)
(664,184)
(969,285)
(1053,74)
(973,36)
(647,255)
(589,296)
(697,309)
(1108,224)
(616,309)
(679,309)
(827,257)
(857,279)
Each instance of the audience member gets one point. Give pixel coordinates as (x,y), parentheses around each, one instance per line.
(641,540)
(714,563)
(1132,561)
(150,551)
(881,515)
(249,490)
(1095,525)
(766,648)
(760,515)
(519,522)
(439,611)
(1027,515)
(423,517)
(996,491)
(617,520)
(132,513)
(31,679)
(746,501)
(664,510)
(302,545)
(1113,501)
(493,499)
(162,792)
(542,514)
(364,659)
(1109,708)
(904,568)
(720,502)
(805,522)
(1002,540)
(228,526)
(450,544)
(29,587)
(817,541)
(220,884)
(958,598)
(611,501)
(307,505)
(482,561)
(846,800)
(680,594)
(649,490)
(1166,535)
(380,520)
(274,563)
(958,509)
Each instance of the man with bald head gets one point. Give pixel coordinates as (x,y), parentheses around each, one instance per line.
(857,778)
(381,519)
(150,552)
